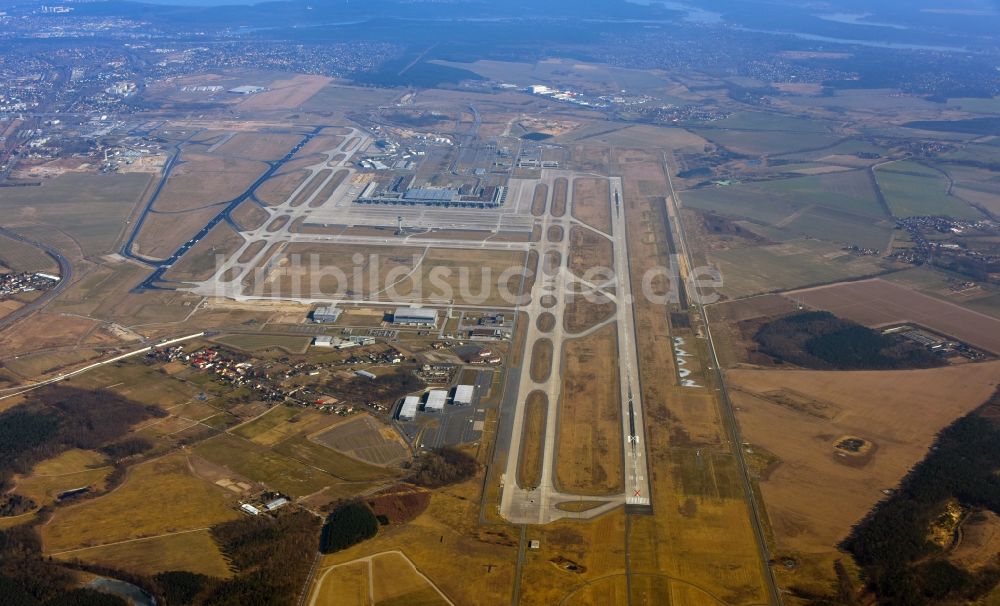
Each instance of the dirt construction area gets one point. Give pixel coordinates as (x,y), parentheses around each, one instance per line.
(815,491)
(589,451)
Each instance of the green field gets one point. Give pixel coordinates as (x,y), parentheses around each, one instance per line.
(90,209)
(761,121)
(849,191)
(840,208)
(914,190)
(767,142)
(793,264)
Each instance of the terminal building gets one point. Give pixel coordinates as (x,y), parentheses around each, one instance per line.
(415,316)
(492,196)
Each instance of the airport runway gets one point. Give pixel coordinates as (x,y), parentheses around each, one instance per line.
(540,504)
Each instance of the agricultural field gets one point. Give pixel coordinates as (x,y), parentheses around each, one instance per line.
(89,209)
(793,264)
(841,208)
(588,447)
(879,302)
(984,298)
(70,470)
(914,190)
(816,491)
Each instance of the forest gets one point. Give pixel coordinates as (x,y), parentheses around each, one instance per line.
(822,341)
(901,564)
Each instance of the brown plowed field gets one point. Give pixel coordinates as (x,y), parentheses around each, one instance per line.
(877,302)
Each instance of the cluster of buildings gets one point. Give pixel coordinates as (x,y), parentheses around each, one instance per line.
(930,239)
(435,400)
(18,282)
(269,502)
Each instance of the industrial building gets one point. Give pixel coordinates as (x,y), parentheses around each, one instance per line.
(322,341)
(415,316)
(326,314)
(436,399)
(409,408)
(276,504)
(463,395)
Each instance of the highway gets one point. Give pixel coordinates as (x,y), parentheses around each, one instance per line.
(726,406)
(65,274)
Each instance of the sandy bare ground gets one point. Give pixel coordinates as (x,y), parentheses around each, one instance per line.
(814,495)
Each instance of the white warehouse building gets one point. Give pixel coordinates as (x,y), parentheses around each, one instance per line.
(409,408)
(415,316)
(463,395)
(436,399)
